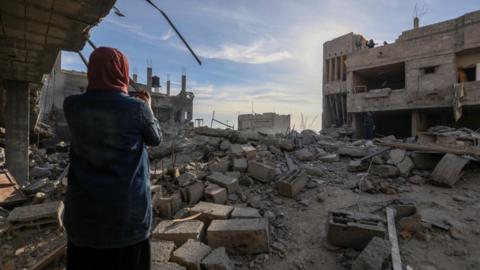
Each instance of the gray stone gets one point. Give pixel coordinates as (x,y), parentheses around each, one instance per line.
(261,171)
(161,250)
(245,212)
(405,166)
(240,164)
(226,181)
(397,155)
(352,151)
(40,172)
(178,232)
(221,165)
(329,158)
(192,193)
(191,254)
(373,256)
(186,179)
(166,266)
(384,170)
(217,260)
(304,155)
(225,145)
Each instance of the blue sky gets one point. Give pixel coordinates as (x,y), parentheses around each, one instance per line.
(265,53)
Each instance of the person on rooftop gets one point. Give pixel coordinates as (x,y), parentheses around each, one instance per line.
(108,211)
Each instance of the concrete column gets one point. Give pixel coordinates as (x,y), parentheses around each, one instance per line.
(17,118)
(149,79)
(330,69)
(184,83)
(342,68)
(478,72)
(168,88)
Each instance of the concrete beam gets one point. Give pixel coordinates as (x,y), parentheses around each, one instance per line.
(17,123)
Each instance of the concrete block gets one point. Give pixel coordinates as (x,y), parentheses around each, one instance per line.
(211,211)
(221,165)
(193,192)
(245,212)
(186,179)
(384,170)
(166,266)
(226,181)
(304,155)
(374,255)
(261,171)
(191,254)
(354,229)
(161,250)
(240,164)
(167,206)
(405,166)
(236,151)
(215,194)
(178,232)
(40,214)
(241,236)
(352,151)
(250,151)
(292,183)
(217,260)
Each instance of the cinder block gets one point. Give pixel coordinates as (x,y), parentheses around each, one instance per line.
(245,212)
(217,260)
(241,236)
(191,254)
(211,211)
(226,181)
(167,206)
(186,179)
(240,164)
(178,232)
(192,193)
(292,183)
(261,171)
(250,151)
(221,165)
(354,229)
(161,250)
(215,194)
(166,266)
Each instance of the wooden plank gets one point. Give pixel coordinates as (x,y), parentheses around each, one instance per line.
(392,236)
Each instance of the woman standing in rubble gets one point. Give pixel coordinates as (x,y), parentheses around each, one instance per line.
(108,206)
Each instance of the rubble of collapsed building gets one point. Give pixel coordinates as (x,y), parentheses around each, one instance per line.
(174,112)
(227,199)
(429,76)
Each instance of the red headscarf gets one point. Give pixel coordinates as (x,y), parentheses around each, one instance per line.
(108,70)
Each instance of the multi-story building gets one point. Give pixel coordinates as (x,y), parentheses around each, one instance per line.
(429,76)
(270,123)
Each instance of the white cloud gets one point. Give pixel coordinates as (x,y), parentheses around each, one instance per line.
(138,30)
(256,52)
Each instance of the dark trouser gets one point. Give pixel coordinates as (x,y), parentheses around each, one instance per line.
(134,257)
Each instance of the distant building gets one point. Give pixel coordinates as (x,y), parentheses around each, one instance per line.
(429,76)
(270,123)
(172,110)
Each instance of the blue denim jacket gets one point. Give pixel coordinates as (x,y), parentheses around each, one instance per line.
(108,202)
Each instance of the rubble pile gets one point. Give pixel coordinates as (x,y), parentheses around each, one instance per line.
(223,199)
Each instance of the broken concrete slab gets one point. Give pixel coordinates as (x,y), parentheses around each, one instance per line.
(373,256)
(384,170)
(405,166)
(217,260)
(227,181)
(241,236)
(211,211)
(245,212)
(329,158)
(261,171)
(215,194)
(191,254)
(35,215)
(449,170)
(192,193)
(250,151)
(352,151)
(178,232)
(240,164)
(304,155)
(397,155)
(290,184)
(221,165)
(167,266)
(161,250)
(353,229)
(186,179)
(236,151)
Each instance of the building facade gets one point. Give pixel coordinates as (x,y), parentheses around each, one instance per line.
(270,123)
(429,76)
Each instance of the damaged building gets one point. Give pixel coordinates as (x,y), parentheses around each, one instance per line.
(270,123)
(429,76)
(170,110)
